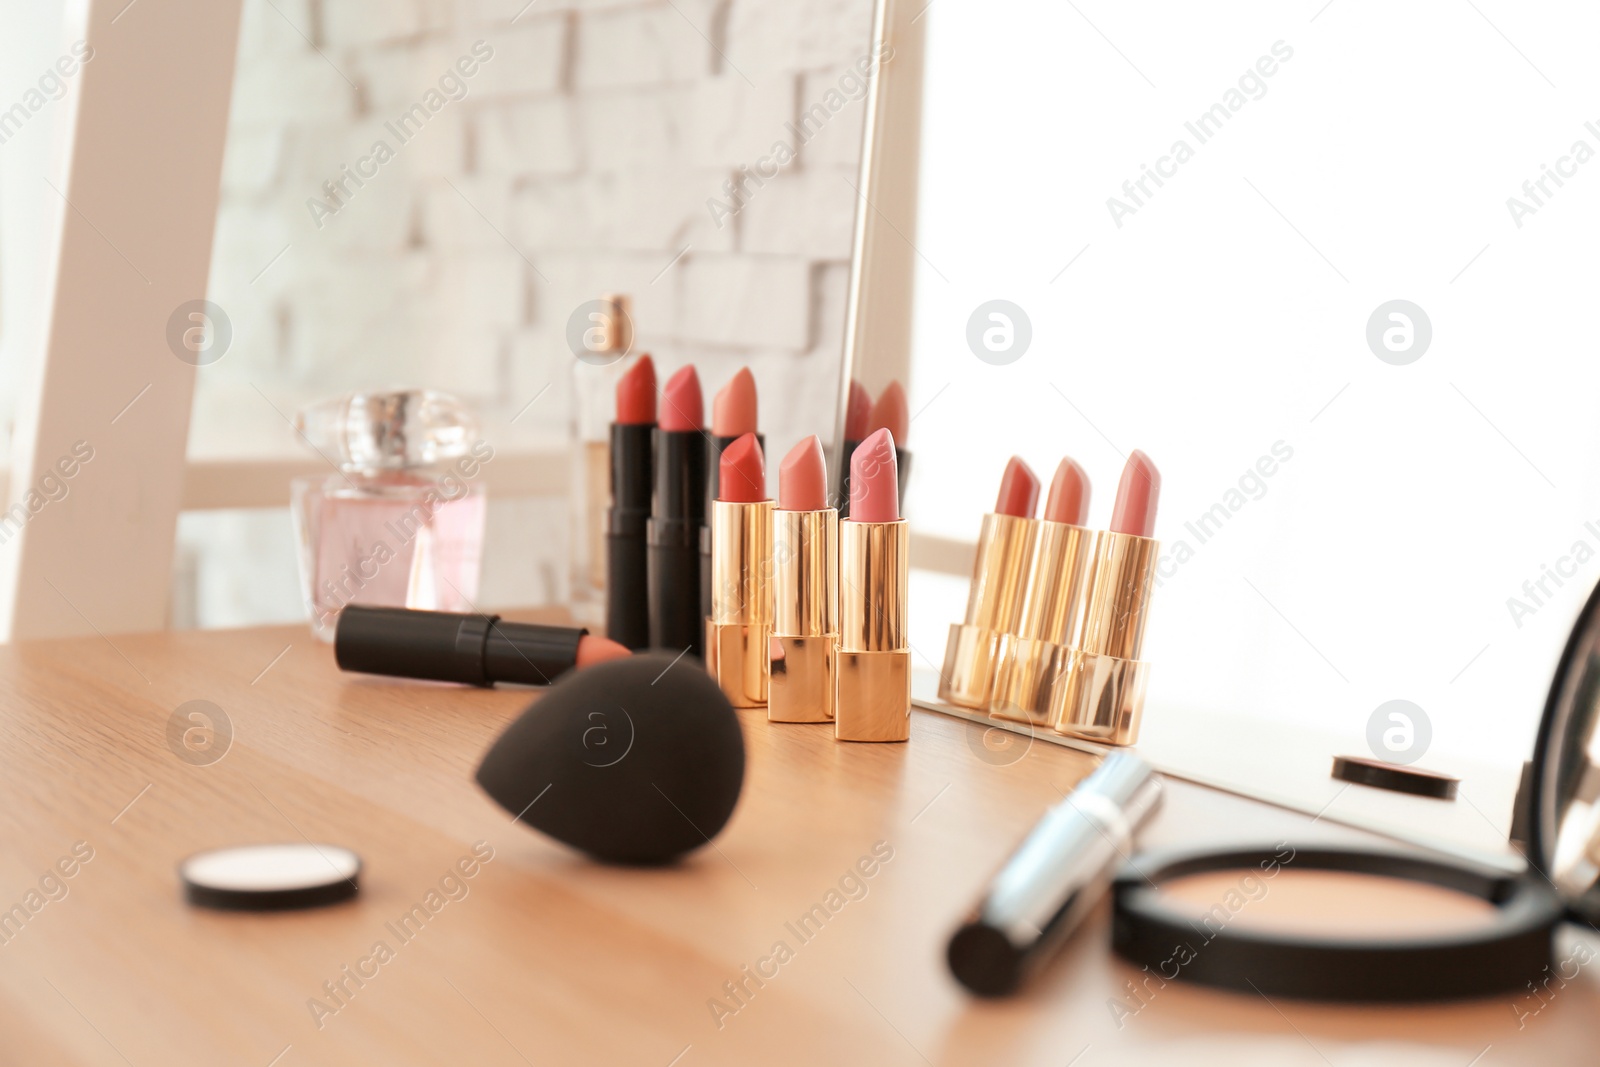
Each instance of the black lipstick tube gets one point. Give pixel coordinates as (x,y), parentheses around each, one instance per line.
(443,646)
(627,614)
(902,460)
(673,535)
(715,446)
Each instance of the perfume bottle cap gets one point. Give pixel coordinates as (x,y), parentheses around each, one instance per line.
(392,430)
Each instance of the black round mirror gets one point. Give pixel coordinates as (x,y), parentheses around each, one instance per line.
(1564,831)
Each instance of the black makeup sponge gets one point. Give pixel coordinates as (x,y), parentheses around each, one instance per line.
(636,760)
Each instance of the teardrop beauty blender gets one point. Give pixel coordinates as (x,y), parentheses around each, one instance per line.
(638,760)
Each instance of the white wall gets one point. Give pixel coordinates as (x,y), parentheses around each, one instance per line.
(581,159)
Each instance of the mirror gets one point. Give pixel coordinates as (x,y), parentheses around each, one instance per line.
(1334,286)
(1564,831)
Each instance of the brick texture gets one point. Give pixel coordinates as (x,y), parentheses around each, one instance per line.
(423,191)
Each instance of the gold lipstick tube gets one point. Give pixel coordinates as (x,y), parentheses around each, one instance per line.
(994,606)
(1036,660)
(805,620)
(1104,691)
(873,701)
(741,600)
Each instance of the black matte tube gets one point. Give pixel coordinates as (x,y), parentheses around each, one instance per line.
(673,536)
(444,646)
(627,616)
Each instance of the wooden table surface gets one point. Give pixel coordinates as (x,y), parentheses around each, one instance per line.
(545,958)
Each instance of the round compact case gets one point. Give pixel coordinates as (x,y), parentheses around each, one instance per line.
(1429,928)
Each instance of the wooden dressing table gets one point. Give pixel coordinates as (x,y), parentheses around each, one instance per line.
(544,958)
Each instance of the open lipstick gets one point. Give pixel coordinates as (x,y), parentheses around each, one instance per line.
(734,413)
(873,696)
(1104,692)
(443,646)
(1036,660)
(627,620)
(740,621)
(677,512)
(888,412)
(994,600)
(805,590)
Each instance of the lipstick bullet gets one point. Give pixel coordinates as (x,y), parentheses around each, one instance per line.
(740,623)
(805,590)
(1036,660)
(627,620)
(1103,697)
(677,511)
(862,420)
(734,413)
(873,696)
(994,600)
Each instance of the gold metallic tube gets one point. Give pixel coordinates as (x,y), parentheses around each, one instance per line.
(741,600)
(1104,692)
(805,594)
(1035,661)
(873,701)
(994,606)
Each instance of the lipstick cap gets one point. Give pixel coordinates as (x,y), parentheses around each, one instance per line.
(1031,672)
(1102,700)
(737,656)
(971,659)
(874,696)
(802,679)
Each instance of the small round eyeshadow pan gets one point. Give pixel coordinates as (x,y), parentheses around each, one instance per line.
(271,877)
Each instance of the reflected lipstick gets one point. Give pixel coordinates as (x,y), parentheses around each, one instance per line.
(805,590)
(740,622)
(627,620)
(677,512)
(1037,659)
(873,695)
(994,600)
(1104,692)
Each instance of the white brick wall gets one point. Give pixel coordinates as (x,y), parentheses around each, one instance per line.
(581,159)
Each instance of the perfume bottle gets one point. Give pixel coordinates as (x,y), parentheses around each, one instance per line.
(401,522)
(601,339)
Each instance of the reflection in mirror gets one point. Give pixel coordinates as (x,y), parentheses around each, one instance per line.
(1231,242)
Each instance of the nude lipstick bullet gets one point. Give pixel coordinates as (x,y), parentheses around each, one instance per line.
(1103,697)
(805,590)
(873,696)
(888,412)
(994,600)
(734,413)
(627,620)
(740,623)
(1035,661)
(677,512)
